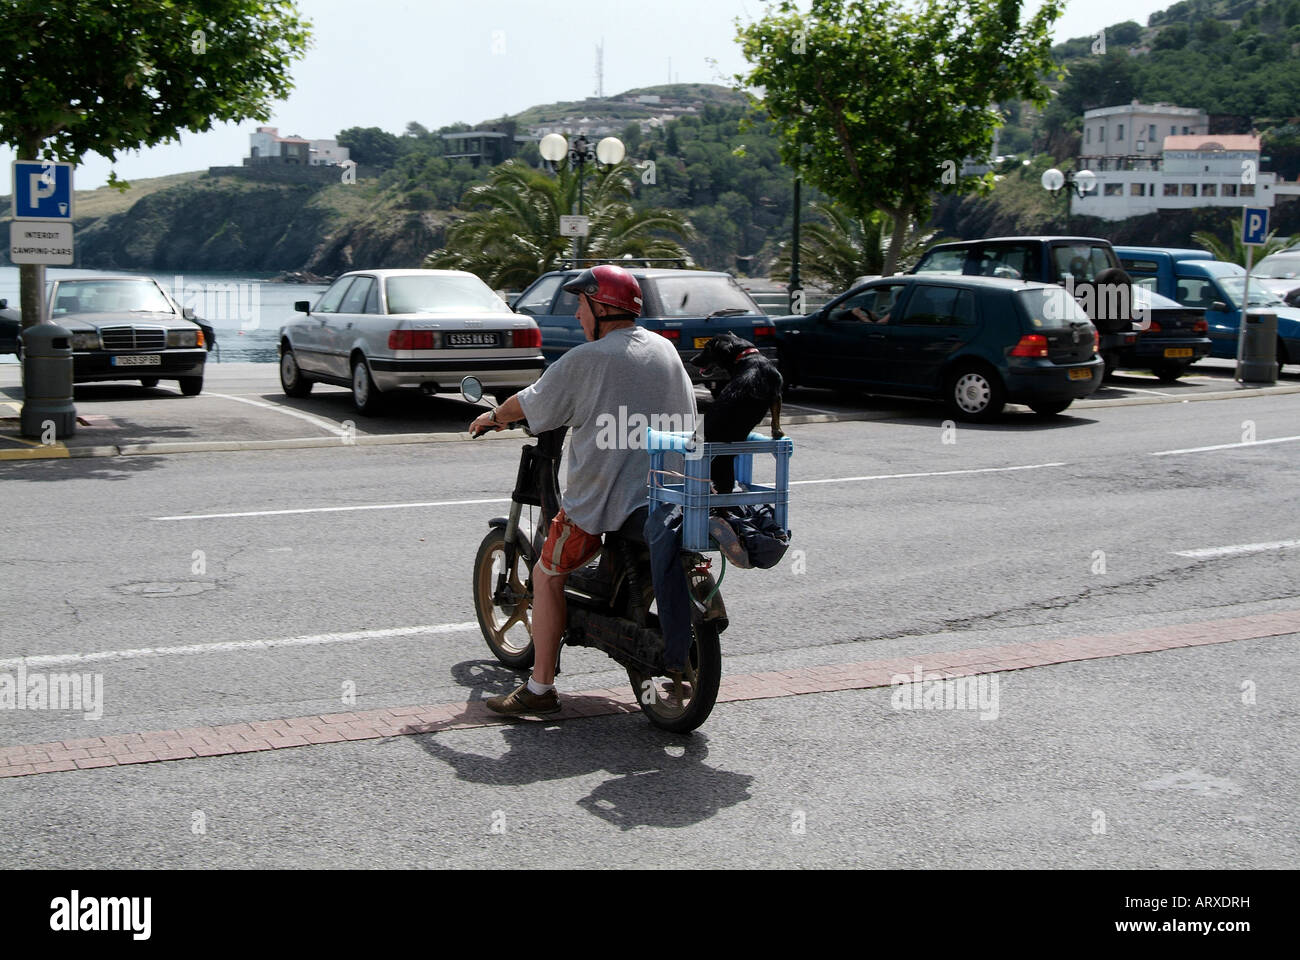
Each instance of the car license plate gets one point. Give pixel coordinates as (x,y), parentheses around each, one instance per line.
(1077,374)
(1178,351)
(702,342)
(473,340)
(136,360)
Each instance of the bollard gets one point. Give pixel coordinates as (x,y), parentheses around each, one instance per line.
(47,382)
(1259,352)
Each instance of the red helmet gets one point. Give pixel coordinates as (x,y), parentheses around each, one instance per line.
(610,285)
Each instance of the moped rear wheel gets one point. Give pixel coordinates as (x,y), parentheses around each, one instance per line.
(681,704)
(507,627)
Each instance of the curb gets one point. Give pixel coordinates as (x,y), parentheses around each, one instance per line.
(59,451)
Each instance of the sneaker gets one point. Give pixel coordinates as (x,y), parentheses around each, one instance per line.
(522,700)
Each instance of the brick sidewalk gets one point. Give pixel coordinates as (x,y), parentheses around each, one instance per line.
(158,745)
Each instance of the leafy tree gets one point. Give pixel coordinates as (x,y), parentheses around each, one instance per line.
(82,76)
(1127,33)
(835,253)
(518,237)
(1234,251)
(371,146)
(877,103)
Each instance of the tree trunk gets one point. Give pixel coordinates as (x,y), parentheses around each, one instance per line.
(29,274)
(901,221)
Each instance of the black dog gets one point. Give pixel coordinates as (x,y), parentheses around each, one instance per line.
(753,390)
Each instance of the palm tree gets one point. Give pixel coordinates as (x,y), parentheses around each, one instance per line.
(835,253)
(1235,250)
(514,235)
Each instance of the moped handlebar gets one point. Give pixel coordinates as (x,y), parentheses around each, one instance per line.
(512,425)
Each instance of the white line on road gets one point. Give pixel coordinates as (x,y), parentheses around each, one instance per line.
(1226,446)
(937,473)
(1158,393)
(368,506)
(317,421)
(800,406)
(1237,549)
(68,659)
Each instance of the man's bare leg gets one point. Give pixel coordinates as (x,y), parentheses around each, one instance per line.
(550,613)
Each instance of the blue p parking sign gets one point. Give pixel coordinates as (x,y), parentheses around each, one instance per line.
(1254,227)
(42,190)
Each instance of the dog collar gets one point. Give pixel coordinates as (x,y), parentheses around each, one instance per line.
(744,353)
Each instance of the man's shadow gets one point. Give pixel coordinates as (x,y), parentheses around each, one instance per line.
(659,778)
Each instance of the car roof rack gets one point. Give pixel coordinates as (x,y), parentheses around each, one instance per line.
(670,262)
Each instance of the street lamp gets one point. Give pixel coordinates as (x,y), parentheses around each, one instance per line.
(554,147)
(1080,182)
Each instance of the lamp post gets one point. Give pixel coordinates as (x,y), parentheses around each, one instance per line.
(609,151)
(1079,182)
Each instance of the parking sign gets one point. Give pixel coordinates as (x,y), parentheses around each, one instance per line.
(1254,226)
(42,190)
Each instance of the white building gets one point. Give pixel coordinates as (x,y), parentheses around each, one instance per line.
(327,152)
(267,146)
(1156,157)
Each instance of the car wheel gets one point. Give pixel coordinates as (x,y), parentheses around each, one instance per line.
(292,381)
(1111,363)
(1168,371)
(191,386)
(1050,409)
(975,393)
(148,381)
(365,395)
(1282,357)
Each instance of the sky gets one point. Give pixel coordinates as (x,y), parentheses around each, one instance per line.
(384,63)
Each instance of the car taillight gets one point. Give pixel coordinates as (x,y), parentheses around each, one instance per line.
(1201,326)
(1096,340)
(1030,345)
(528,337)
(670,334)
(764,331)
(1155,327)
(411,340)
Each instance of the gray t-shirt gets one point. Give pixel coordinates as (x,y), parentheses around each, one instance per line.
(608,391)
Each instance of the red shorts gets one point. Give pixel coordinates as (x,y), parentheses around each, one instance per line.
(567,547)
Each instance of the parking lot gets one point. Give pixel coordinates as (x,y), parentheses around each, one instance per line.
(243,407)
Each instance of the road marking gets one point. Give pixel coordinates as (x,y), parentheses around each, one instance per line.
(937,473)
(1226,446)
(317,421)
(68,659)
(1237,548)
(369,506)
(1158,393)
(800,406)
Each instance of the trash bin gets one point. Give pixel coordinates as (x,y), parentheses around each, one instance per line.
(47,382)
(1259,352)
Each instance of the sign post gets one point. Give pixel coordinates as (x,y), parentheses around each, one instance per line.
(1254,231)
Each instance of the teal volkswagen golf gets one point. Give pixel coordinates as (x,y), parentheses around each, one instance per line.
(974,343)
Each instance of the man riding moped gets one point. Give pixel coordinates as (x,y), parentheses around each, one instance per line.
(622,370)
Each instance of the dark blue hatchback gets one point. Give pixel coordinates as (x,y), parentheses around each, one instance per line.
(976,343)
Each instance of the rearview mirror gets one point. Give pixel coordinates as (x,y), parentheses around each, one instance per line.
(302,306)
(471,389)
(188,313)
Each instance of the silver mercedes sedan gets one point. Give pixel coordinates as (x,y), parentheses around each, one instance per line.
(377,331)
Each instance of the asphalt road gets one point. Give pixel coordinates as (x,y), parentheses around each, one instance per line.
(914,538)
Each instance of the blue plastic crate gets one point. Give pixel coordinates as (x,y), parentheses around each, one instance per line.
(693,492)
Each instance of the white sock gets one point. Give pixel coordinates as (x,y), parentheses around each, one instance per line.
(537,689)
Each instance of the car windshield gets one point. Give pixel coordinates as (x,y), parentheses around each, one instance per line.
(442,294)
(1051,307)
(108,296)
(1279,267)
(699,296)
(1234,287)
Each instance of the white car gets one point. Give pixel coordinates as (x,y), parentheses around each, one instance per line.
(378,331)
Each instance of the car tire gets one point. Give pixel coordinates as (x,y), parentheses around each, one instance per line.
(191,386)
(365,395)
(148,381)
(292,380)
(975,393)
(1169,371)
(1282,357)
(1050,409)
(1111,365)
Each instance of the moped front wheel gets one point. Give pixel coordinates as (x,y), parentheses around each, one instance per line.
(506,621)
(679,704)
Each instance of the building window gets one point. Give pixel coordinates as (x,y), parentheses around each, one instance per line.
(1120,134)
(1114,190)
(1186,131)
(1137,189)
(1172,131)
(1229,190)
(1087,135)
(1101,133)
(1171,189)
(1142,146)
(1209,190)
(1247,190)
(1152,134)
(1189,189)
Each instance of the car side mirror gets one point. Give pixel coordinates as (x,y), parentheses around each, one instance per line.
(302,306)
(1220,306)
(188,313)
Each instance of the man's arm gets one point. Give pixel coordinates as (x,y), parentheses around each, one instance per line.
(498,418)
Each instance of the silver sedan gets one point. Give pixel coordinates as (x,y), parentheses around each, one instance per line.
(377,331)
